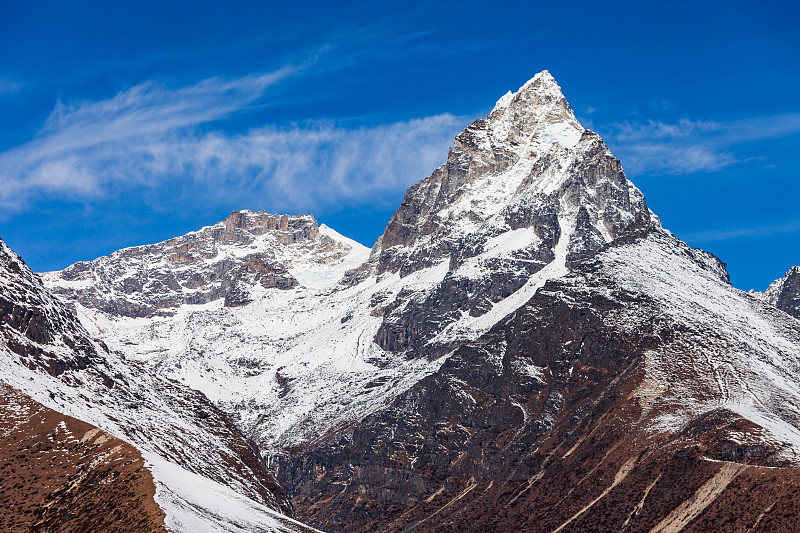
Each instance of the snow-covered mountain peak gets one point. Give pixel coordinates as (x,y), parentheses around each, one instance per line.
(529,164)
(536,113)
(524,194)
(540,88)
(542,83)
(503,101)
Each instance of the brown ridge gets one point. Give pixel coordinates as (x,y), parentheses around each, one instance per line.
(58,473)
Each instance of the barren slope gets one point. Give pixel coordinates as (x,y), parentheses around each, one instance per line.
(60,474)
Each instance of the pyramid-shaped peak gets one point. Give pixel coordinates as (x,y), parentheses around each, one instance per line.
(542,84)
(538,111)
(543,78)
(544,81)
(538,98)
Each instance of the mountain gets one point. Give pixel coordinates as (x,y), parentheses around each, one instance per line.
(524,349)
(784,293)
(267,363)
(522,195)
(151,452)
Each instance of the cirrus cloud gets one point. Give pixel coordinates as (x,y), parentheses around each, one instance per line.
(691,146)
(157,137)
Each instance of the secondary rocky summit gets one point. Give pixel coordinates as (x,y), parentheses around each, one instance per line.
(784,293)
(524,349)
(224,261)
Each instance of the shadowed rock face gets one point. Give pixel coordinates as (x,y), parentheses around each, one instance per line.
(31,320)
(785,293)
(578,412)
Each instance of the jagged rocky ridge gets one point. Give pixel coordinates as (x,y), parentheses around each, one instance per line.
(191,447)
(784,293)
(218,262)
(525,349)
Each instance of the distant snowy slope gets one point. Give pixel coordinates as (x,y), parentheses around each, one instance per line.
(747,362)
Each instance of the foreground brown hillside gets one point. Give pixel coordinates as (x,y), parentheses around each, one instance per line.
(60,474)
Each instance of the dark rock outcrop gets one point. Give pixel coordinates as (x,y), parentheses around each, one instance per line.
(784,293)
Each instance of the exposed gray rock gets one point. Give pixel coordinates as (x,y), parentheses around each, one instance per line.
(784,293)
(223,261)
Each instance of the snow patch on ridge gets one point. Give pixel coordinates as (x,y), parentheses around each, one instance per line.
(503,101)
(751,357)
(564,134)
(322,275)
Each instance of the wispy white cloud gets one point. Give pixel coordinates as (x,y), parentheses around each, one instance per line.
(156,138)
(9,86)
(716,235)
(303,168)
(688,146)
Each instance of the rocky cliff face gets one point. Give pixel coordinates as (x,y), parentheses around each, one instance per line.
(529,164)
(784,293)
(524,188)
(51,361)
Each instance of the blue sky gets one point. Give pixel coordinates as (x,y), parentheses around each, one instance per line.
(129,124)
